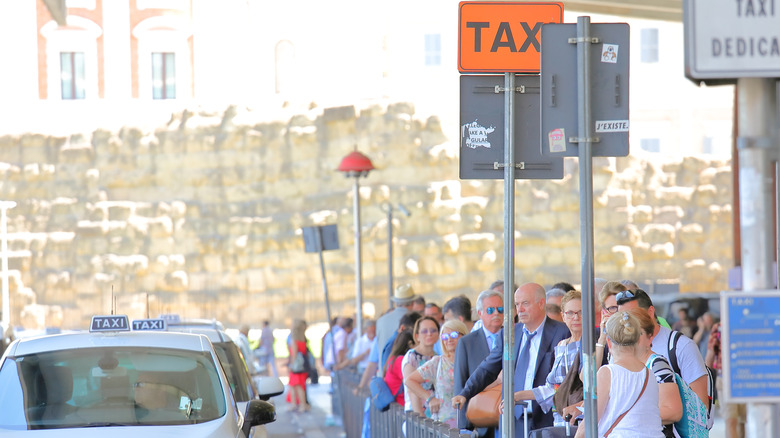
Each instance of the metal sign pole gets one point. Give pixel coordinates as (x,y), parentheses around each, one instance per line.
(585,132)
(320,249)
(757,144)
(358,261)
(508,417)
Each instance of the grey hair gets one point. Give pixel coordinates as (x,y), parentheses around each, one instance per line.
(487,294)
(555,292)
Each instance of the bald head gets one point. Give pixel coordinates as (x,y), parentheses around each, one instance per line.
(529,303)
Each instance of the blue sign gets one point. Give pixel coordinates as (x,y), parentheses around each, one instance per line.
(109,323)
(751,346)
(149,324)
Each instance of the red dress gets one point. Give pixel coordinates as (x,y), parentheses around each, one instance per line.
(299,378)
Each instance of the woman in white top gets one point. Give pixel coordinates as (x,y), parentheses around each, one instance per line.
(631,410)
(426,334)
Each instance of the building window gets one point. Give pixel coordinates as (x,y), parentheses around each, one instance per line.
(433,50)
(72,75)
(163,75)
(650,144)
(649,41)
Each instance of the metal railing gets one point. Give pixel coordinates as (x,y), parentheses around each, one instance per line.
(392,423)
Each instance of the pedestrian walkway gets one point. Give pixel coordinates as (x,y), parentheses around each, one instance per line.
(311,424)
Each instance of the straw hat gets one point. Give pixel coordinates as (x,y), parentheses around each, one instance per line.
(404,294)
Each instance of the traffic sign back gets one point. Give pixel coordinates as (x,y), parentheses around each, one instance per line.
(609,62)
(482,130)
(503,37)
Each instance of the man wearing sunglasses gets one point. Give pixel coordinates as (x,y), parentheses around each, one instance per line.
(691,364)
(534,351)
(475,347)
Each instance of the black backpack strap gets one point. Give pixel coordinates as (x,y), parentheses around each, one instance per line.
(673,351)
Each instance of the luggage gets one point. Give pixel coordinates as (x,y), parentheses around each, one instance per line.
(554,432)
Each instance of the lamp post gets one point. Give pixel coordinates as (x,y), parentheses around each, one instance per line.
(6,321)
(357,165)
(403,210)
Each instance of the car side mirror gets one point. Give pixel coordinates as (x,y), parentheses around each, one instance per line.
(268,387)
(258,412)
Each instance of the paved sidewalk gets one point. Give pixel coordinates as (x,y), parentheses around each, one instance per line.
(290,424)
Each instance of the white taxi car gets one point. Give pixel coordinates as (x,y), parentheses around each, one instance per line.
(133,382)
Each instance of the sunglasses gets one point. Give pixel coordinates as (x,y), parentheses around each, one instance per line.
(492,310)
(450,335)
(429,331)
(624,296)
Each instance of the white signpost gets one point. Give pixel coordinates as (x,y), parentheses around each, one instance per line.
(732,39)
(729,41)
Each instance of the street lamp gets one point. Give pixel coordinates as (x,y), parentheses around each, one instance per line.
(356,165)
(6,320)
(389,208)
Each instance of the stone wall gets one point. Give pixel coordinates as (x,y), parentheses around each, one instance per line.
(203,216)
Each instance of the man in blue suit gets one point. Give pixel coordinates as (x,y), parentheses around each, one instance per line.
(476,346)
(536,336)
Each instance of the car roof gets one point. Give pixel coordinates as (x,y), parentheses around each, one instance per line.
(174,320)
(213,334)
(154,339)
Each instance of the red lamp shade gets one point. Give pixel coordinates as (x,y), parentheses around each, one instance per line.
(355,164)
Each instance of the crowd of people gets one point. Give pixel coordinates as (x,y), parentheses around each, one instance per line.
(434,360)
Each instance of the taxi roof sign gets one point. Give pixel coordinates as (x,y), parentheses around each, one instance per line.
(109,323)
(170,317)
(150,324)
(502,37)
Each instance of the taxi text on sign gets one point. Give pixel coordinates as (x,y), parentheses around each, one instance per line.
(503,37)
(729,39)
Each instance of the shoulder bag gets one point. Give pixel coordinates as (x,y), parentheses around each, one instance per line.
(570,390)
(482,410)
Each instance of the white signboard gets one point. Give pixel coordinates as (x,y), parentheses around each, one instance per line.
(727,39)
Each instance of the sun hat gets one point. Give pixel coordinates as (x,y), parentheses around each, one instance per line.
(404,294)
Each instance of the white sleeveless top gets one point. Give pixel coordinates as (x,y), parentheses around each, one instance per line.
(644,419)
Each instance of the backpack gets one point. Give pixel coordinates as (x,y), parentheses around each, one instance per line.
(381,397)
(712,393)
(693,423)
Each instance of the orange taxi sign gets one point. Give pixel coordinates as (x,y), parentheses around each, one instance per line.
(503,36)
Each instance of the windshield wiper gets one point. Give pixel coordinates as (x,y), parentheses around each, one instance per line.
(106,424)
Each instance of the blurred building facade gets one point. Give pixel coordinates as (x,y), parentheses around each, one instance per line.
(134,62)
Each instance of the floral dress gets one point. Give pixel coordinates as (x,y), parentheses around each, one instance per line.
(414,359)
(441,372)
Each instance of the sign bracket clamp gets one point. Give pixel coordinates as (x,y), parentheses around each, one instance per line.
(522,89)
(584,139)
(577,40)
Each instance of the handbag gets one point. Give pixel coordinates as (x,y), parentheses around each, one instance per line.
(482,410)
(647,375)
(693,423)
(570,390)
(381,397)
(298,364)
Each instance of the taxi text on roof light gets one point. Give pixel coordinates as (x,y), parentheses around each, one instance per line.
(149,324)
(109,323)
(170,317)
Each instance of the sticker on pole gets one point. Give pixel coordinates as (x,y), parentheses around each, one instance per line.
(557,139)
(612,126)
(609,53)
(473,135)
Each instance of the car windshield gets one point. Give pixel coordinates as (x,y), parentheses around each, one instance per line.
(109,386)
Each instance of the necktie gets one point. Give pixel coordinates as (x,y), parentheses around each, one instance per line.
(521,368)
(493,340)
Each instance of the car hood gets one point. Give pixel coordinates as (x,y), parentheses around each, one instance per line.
(221,428)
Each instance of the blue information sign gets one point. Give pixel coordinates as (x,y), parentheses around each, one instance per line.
(751,346)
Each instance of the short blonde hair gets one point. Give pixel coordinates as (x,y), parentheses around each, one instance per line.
(609,289)
(455,325)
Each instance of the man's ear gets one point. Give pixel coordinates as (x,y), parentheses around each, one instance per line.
(651,311)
